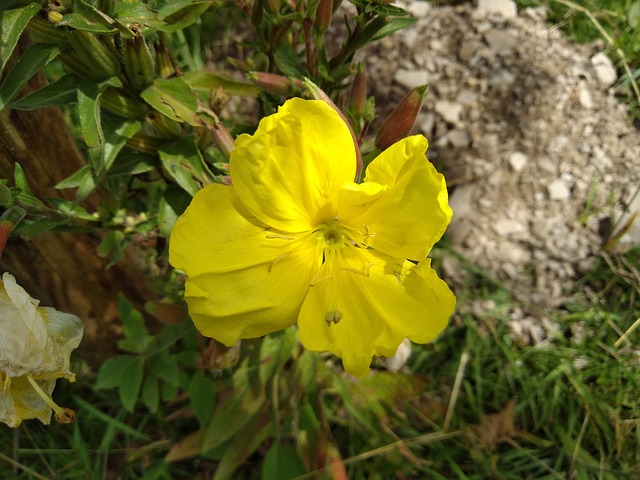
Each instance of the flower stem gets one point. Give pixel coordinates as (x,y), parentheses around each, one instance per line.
(63,415)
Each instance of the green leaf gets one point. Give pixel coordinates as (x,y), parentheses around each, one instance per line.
(275,351)
(5,196)
(131,383)
(112,371)
(30,63)
(30,230)
(393,26)
(184,163)
(179,14)
(60,92)
(282,462)
(175,99)
(173,203)
(116,133)
(89,108)
(236,411)
(132,163)
(137,337)
(89,19)
(241,446)
(12,23)
(202,397)
(130,12)
(151,393)
(75,179)
(69,208)
(20,179)
(165,366)
(204,82)
(112,245)
(288,61)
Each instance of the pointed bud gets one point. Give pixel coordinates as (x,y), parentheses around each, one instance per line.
(164,62)
(139,62)
(323,15)
(358,97)
(272,83)
(99,60)
(399,123)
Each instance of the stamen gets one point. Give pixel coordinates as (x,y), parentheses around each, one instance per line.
(279,236)
(364,272)
(332,316)
(281,257)
(63,415)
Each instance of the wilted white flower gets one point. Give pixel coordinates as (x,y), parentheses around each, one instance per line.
(35,347)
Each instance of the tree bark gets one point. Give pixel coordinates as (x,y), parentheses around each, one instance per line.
(62,270)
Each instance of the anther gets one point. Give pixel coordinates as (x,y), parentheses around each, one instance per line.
(332,316)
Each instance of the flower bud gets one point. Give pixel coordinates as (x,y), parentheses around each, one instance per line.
(139,61)
(99,60)
(358,97)
(272,83)
(323,15)
(399,123)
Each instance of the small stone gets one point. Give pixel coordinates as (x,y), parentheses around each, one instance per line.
(506,8)
(502,79)
(605,72)
(411,78)
(467,97)
(418,9)
(584,96)
(558,190)
(500,41)
(449,111)
(505,226)
(459,138)
(518,161)
(427,124)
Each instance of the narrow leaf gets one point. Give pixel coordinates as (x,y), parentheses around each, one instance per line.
(204,82)
(131,384)
(202,398)
(282,462)
(60,92)
(180,14)
(89,109)
(30,63)
(185,165)
(116,132)
(12,23)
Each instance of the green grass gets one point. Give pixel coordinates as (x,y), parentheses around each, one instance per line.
(477,404)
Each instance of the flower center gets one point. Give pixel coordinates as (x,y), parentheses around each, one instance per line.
(334,236)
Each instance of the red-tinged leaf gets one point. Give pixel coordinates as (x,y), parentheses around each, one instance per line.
(242,445)
(189,446)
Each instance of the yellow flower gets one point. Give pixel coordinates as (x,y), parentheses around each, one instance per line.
(35,347)
(296,240)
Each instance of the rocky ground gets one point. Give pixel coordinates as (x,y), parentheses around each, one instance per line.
(540,156)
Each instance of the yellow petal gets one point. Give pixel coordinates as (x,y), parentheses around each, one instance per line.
(357,313)
(217,234)
(253,301)
(402,208)
(35,340)
(288,174)
(244,281)
(19,401)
